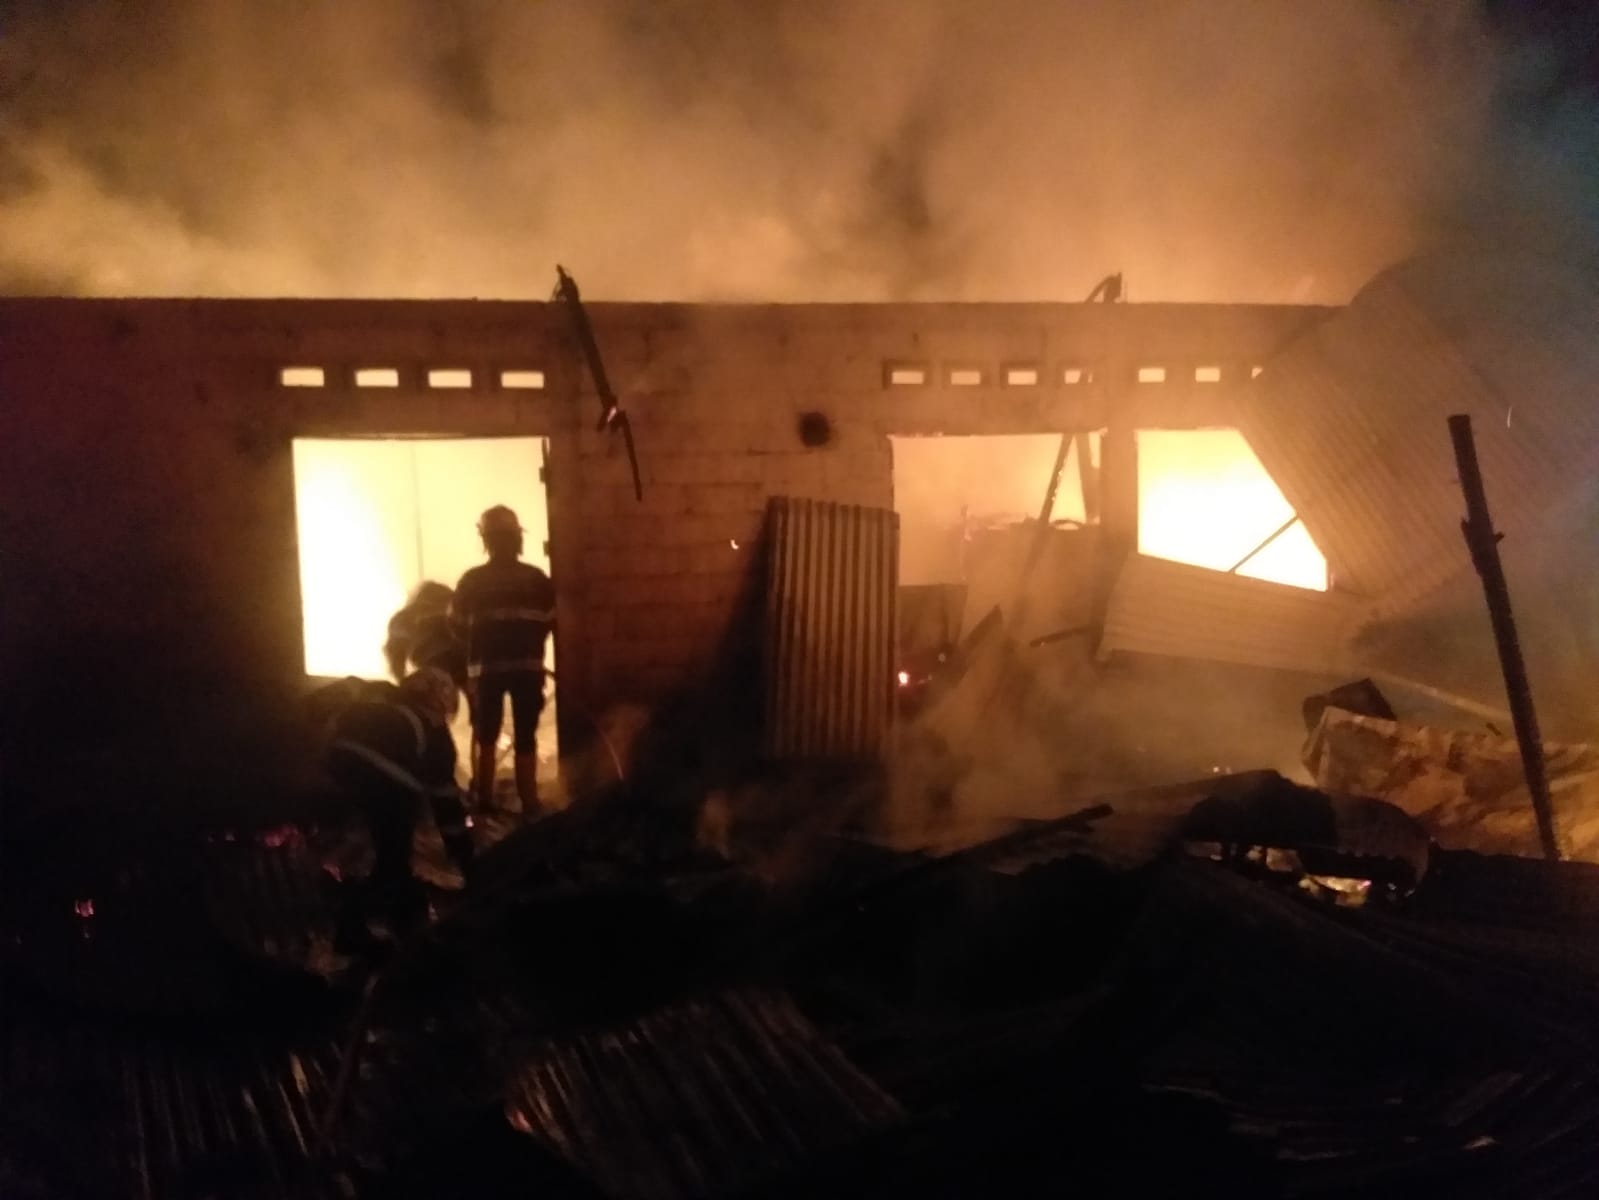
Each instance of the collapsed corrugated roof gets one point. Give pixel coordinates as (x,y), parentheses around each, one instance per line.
(701,1098)
(1350,421)
(1350,418)
(1170,608)
(1013,1017)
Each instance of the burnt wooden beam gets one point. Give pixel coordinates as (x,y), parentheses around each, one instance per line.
(611,415)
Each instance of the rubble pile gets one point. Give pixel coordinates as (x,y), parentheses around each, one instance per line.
(1149,992)
(1468,786)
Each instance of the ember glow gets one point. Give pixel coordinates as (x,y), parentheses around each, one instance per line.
(1205,498)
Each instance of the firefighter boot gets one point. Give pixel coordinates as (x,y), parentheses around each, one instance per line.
(483,779)
(527,788)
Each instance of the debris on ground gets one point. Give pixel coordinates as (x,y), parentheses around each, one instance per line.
(1345,848)
(624,1007)
(1468,788)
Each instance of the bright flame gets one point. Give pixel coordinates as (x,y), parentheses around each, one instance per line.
(904,678)
(1205,498)
(351,579)
(378,517)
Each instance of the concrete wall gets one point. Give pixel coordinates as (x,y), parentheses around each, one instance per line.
(149,616)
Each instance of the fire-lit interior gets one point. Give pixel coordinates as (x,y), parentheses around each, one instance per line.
(1205,498)
(945,487)
(377,517)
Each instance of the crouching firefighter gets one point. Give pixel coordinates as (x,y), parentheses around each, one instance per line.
(392,750)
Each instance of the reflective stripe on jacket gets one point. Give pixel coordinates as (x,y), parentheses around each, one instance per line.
(504,612)
(412,748)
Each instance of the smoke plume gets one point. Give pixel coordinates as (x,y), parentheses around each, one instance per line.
(785,150)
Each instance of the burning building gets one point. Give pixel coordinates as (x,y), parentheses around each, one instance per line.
(830,482)
(213,503)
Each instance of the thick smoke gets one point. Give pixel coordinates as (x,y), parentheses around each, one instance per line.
(785,150)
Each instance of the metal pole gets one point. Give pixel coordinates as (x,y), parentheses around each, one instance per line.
(1483,543)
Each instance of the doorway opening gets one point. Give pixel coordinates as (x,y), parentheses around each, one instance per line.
(970,540)
(377,517)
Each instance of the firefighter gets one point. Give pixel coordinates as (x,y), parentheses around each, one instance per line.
(437,646)
(503,614)
(391,750)
(420,636)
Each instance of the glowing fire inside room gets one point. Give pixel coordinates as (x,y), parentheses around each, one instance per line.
(944,487)
(377,517)
(1204,498)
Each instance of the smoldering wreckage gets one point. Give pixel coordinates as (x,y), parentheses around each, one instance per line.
(822,969)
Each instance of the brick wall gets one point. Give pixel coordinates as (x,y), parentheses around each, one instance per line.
(147,529)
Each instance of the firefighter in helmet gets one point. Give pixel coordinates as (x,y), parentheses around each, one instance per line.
(503,614)
(392,751)
(420,635)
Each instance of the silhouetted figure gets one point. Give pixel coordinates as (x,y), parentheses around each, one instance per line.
(503,614)
(391,750)
(420,635)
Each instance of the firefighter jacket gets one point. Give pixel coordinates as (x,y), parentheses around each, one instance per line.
(406,744)
(503,613)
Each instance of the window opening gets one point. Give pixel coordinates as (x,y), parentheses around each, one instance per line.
(313,377)
(1204,498)
(518,380)
(449,377)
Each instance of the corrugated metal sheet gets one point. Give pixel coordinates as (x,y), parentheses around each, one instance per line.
(830,613)
(1350,419)
(707,1098)
(1173,609)
(96,1108)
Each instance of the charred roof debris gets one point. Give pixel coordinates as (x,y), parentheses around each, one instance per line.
(1235,982)
(1085,868)
(1238,981)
